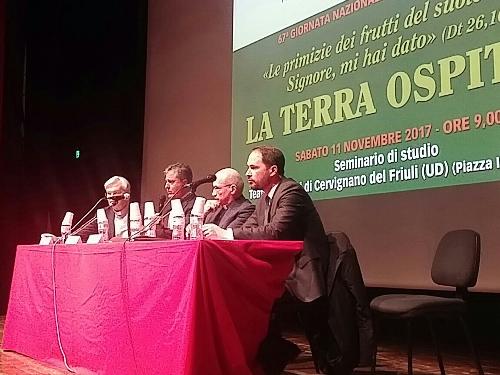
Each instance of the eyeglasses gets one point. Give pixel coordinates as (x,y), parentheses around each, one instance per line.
(112,194)
(222,186)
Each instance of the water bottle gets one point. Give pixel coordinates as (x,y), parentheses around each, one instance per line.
(195,224)
(135,226)
(151,231)
(135,218)
(178,225)
(65,230)
(149,217)
(103,229)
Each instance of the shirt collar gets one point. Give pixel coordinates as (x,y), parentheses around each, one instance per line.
(123,212)
(272,191)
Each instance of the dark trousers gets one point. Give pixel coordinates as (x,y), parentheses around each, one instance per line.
(275,352)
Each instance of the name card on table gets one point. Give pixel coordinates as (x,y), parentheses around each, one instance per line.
(73,240)
(95,238)
(47,239)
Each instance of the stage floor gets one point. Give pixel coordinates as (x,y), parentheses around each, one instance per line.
(391,360)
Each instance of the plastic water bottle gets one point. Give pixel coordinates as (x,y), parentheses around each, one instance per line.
(135,226)
(103,229)
(178,227)
(135,218)
(149,217)
(151,231)
(195,224)
(65,230)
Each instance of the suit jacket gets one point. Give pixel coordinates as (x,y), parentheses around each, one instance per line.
(349,310)
(292,216)
(91,228)
(235,216)
(187,202)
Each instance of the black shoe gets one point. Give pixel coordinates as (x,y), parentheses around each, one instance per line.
(275,354)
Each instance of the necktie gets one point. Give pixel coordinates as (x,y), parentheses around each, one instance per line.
(266,212)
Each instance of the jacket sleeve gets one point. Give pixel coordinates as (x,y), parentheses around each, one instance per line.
(243,214)
(287,215)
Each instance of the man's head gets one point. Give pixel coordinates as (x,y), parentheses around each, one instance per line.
(176,177)
(266,166)
(117,192)
(228,186)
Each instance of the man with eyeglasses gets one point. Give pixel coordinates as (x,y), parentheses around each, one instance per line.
(118,196)
(286,212)
(230,209)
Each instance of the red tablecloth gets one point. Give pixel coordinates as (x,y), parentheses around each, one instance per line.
(170,307)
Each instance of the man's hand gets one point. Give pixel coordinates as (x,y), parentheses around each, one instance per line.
(212,231)
(210,204)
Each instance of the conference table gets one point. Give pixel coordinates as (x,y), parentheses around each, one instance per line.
(149,307)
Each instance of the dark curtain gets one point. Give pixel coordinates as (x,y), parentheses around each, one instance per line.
(2,60)
(11,139)
(75,82)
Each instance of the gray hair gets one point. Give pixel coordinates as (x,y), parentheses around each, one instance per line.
(120,181)
(231,176)
(182,171)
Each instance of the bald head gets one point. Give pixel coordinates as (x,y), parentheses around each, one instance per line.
(228,186)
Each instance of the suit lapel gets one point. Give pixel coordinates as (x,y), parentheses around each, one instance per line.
(228,215)
(212,215)
(274,200)
(111,222)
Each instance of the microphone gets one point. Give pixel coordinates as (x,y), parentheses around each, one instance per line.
(161,202)
(193,185)
(118,197)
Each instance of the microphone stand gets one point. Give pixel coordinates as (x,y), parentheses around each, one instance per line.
(156,219)
(73,232)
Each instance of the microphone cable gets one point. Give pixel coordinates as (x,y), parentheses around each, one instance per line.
(124,271)
(54,292)
(84,225)
(126,300)
(84,216)
(56,316)
(156,219)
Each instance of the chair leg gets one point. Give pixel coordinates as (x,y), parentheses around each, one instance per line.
(436,345)
(472,347)
(410,346)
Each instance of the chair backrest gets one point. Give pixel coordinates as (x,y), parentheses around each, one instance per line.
(456,262)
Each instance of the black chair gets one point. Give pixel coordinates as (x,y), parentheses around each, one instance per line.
(456,264)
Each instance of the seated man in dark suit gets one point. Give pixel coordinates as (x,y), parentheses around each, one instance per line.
(286,212)
(118,196)
(230,209)
(177,176)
